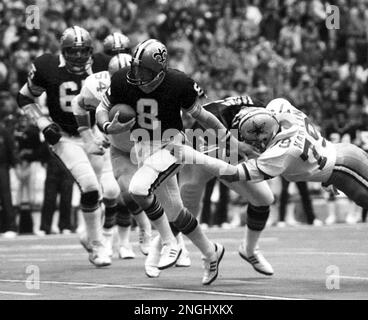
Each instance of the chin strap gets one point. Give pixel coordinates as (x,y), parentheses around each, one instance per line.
(154,83)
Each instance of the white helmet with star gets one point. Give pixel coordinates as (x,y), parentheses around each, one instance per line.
(257,127)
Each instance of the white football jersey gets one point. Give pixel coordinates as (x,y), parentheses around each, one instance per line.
(297,153)
(92,91)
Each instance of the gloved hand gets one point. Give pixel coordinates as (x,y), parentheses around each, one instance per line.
(52,133)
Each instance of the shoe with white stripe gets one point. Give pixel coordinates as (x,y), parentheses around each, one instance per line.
(153,257)
(257,260)
(99,255)
(169,255)
(211,267)
(126,252)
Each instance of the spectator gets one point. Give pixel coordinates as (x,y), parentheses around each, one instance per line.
(28,143)
(306,202)
(7,160)
(58,182)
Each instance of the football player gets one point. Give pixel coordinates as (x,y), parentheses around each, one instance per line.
(158,94)
(61,77)
(87,100)
(291,147)
(193,180)
(116,43)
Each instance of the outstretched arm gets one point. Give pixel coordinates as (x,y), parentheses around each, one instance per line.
(210,121)
(215,166)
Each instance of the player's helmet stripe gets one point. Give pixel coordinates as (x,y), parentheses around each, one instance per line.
(117,42)
(122,61)
(78,35)
(140,50)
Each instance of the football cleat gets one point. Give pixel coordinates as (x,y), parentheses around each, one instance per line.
(257,260)
(98,255)
(144,241)
(169,255)
(153,257)
(126,252)
(211,266)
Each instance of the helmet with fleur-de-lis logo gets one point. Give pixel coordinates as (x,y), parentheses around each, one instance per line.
(149,65)
(77,49)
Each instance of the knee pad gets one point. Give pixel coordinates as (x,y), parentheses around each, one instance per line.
(155,210)
(132,206)
(123,218)
(174,229)
(185,222)
(90,201)
(257,217)
(110,212)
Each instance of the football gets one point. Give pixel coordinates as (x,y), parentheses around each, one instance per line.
(126,112)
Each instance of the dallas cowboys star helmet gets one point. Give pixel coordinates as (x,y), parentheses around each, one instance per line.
(257,127)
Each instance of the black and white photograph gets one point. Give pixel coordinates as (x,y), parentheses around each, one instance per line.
(183,155)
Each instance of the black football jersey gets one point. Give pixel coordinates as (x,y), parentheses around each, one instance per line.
(160,109)
(61,87)
(226,109)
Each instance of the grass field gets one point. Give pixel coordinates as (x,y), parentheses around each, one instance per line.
(302,258)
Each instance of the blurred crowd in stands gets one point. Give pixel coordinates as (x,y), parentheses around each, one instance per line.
(264,48)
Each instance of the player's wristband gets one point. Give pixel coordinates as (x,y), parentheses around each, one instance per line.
(104,127)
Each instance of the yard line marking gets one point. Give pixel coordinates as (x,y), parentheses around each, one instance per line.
(144,288)
(353,278)
(27,260)
(20,293)
(332,253)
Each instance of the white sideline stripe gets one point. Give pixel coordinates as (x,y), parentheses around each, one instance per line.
(209,231)
(27,260)
(78,246)
(139,287)
(20,293)
(353,278)
(315,253)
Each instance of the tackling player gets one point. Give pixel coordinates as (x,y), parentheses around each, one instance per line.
(291,147)
(61,77)
(158,94)
(193,180)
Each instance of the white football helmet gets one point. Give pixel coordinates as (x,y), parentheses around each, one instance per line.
(257,127)
(118,62)
(279,105)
